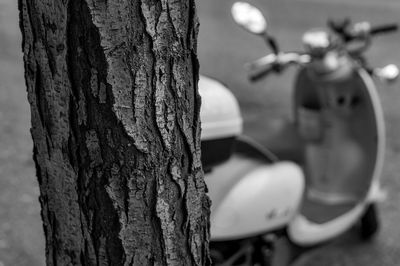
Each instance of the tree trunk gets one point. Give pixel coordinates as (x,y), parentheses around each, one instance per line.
(115,124)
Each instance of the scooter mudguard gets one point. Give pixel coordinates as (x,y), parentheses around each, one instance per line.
(341,122)
(251,196)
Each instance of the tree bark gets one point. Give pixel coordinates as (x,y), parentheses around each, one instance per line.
(115,124)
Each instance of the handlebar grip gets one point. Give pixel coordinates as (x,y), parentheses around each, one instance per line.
(384,28)
(261,67)
(260,73)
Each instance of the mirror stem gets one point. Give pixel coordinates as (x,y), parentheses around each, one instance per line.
(272,43)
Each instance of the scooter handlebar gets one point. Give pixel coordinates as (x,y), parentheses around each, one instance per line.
(261,67)
(361,30)
(387,28)
(274,63)
(255,76)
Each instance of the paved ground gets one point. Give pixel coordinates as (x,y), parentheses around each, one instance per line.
(21,234)
(223,49)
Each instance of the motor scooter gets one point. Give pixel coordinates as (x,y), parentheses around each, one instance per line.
(263,206)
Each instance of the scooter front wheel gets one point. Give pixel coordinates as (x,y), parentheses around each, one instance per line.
(369,222)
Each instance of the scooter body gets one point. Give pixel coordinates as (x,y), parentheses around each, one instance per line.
(343,134)
(339,121)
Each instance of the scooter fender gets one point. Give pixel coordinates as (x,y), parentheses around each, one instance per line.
(253,201)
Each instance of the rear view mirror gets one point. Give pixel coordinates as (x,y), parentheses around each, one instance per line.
(249,17)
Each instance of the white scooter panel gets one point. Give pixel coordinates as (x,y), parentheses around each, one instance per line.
(251,197)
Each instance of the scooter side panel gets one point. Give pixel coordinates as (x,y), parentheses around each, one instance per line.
(259,199)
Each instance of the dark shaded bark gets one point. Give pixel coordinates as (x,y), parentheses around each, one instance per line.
(115,123)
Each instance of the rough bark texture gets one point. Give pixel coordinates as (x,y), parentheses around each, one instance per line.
(115,124)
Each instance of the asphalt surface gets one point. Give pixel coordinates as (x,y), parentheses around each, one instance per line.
(223,49)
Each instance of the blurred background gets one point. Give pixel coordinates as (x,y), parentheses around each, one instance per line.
(223,50)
